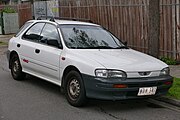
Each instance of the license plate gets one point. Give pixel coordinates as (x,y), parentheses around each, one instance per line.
(147,91)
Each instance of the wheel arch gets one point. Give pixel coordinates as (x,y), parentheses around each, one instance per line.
(12,53)
(66,71)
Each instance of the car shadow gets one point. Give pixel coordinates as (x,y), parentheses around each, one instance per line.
(42,84)
(127,104)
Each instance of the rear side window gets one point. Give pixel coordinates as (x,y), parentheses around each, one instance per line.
(34,32)
(27,24)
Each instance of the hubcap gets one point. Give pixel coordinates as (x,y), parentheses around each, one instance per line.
(74,88)
(16,66)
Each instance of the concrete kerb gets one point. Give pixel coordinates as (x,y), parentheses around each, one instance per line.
(169,101)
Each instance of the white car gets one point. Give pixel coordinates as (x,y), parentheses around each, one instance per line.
(86,60)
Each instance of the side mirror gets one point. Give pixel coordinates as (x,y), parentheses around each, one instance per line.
(125,43)
(53,42)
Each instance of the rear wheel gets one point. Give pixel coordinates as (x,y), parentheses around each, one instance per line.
(74,89)
(16,69)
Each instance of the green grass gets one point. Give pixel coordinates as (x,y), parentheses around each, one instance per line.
(174,91)
(3,43)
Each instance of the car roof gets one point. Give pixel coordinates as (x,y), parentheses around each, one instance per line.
(66,22)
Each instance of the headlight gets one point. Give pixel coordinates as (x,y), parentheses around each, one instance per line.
(165,71)
(110,73)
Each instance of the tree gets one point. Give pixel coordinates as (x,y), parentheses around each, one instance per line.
(154,27)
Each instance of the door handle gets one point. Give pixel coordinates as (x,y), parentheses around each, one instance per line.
(18,45)
(37,51)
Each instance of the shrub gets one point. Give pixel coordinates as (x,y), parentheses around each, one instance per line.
(168,61)
(8,10)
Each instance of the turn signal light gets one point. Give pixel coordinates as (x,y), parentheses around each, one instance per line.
(119,86)
(168,83)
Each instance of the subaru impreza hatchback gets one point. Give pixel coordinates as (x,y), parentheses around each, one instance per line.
(86,60)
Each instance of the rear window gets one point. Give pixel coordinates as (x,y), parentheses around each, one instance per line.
(27,24)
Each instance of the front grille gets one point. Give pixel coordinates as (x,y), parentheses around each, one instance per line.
(144,73)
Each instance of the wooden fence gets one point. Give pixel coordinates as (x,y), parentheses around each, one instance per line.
(25,13)
(128,20)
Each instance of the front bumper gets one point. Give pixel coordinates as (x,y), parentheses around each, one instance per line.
(102,88)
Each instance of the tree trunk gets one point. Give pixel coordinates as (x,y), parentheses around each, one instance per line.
(154,27)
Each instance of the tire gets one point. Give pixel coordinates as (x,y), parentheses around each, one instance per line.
(74,89)
(16,69)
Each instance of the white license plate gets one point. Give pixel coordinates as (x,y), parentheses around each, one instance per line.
(147,91)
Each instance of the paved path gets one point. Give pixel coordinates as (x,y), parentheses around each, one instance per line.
(175,70)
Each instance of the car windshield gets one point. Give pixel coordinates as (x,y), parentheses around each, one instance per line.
(89,37)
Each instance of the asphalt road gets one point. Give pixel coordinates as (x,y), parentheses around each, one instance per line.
(35,99)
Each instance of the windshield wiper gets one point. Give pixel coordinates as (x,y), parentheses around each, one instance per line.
(122,47)
(99,47)
(91,47)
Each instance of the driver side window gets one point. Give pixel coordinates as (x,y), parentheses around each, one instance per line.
(50,36)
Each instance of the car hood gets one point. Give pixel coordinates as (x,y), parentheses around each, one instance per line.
(126,59)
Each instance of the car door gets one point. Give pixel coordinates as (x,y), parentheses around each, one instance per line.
(48,53)
(39,58)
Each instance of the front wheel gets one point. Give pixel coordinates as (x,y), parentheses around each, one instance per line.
(74,89)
